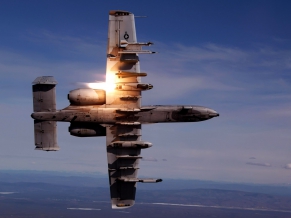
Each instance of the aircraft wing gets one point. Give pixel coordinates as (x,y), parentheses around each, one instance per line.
(122,69)
(122,164)
(123,139)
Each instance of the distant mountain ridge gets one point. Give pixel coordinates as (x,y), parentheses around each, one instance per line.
(36,198)
(100,180)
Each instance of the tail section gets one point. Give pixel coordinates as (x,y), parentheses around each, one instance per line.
(44,99)
(44,94)
(45,135)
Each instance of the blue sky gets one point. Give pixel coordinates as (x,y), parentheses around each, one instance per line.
(232,56)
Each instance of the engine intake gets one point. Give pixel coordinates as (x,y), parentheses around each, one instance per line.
(87,97)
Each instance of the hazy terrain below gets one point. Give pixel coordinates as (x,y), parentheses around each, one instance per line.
(49,194)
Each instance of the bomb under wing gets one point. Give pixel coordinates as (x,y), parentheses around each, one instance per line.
(114,110)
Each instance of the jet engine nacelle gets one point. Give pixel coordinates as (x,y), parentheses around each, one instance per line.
(87,97)
(81,129)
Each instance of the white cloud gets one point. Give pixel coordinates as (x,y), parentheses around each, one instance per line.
(83,208)
(210,52)
(259,164)
(6,193)
(67,44)
(287,166)
(226,73)
(279,111)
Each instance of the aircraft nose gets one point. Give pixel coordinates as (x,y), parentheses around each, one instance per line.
(212,113)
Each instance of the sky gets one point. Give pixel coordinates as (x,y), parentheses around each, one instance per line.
(231,56)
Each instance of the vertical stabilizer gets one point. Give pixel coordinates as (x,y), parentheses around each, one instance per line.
(44,100)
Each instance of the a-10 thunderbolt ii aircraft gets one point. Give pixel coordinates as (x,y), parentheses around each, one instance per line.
(113,111)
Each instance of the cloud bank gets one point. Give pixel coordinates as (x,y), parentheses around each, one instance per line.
(259,164)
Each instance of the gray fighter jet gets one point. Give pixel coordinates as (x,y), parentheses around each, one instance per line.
(112,109)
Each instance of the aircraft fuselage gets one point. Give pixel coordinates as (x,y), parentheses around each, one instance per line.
(144,115)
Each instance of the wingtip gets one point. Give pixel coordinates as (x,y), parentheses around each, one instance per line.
(124,204)
(119,13)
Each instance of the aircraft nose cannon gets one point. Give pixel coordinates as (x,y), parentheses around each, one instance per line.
(212,113)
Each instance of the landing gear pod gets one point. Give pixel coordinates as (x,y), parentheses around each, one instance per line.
(83,129)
